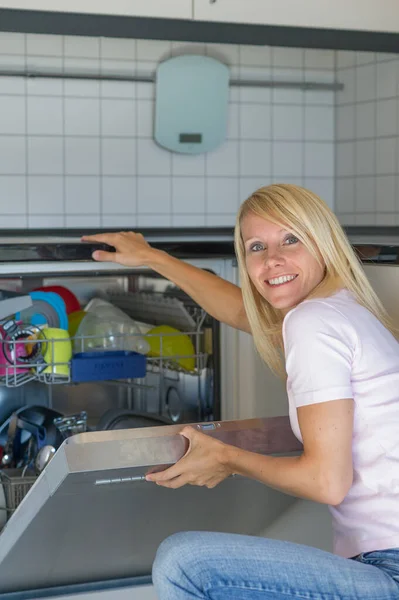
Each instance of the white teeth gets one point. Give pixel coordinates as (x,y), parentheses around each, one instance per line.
(283,279)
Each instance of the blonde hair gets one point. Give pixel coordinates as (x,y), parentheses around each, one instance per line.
(316,226)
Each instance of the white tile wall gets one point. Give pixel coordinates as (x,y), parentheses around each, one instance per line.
(367,133)
(13,195)
(80,153)
(119,195)
(154,196)
(82,195)
(254,121)
(188,195)
(13,159)
(46,195)
(287,159)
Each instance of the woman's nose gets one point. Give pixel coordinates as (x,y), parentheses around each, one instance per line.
(274,257)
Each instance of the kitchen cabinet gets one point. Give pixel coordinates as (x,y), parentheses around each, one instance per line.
(173,9)
(337,14)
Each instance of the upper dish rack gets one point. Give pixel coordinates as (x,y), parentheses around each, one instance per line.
(66,359)
(100,365)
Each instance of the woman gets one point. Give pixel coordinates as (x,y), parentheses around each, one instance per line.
(305,297)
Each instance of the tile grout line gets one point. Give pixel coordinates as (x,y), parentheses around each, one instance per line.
(136,158)
(27,207)
(354,149)
(239,130)
(171,183)
(375,140)
(335,190)
(273,140)
(304,120)
(100,139)
(64,169)
(396,182)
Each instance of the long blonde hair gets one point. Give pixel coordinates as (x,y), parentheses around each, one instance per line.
(316,226)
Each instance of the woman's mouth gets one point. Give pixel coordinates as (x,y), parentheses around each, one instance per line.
(282,280)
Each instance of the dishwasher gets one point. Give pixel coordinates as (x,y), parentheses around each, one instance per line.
(90,402)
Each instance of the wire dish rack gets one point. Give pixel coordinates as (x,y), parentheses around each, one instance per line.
(53,370)
(57,358)
(16,483)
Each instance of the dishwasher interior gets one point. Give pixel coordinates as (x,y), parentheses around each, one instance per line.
(161,369)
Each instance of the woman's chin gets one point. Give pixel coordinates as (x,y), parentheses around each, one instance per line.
(283,303)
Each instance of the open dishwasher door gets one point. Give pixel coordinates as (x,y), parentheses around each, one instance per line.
(92,517)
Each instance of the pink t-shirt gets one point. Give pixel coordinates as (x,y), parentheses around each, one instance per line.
(335,348)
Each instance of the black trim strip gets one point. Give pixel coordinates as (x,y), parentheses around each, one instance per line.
(67,252)
(180,233)
(372,244)
(175,233)
(27,21)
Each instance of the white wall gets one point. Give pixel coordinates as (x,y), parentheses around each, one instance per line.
(80,153)
(367,133)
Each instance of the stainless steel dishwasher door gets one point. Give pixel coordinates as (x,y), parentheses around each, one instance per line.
(92,516)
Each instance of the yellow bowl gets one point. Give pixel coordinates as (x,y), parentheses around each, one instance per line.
(172,345)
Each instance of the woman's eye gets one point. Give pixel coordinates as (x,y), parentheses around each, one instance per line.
(291,239)
(256,247)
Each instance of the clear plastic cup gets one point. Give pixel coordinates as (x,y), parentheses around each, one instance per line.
(107,327)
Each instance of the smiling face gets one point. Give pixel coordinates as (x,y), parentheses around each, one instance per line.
(279,265)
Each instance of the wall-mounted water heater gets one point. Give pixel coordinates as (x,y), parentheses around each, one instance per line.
(191,104)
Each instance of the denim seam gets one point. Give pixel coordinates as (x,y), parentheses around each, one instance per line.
(377,562)
(292,594)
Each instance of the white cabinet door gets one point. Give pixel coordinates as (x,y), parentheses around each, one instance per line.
(173,9)
(373,15)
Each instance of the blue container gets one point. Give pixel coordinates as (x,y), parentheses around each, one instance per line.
(102,365)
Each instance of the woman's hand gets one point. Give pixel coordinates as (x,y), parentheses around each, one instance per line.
(131,248)
(203,464)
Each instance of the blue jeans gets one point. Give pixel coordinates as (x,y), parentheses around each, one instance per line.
(224,566)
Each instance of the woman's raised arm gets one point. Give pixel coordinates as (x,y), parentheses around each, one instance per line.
(220,298)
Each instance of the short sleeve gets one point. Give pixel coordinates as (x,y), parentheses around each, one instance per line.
(319,346)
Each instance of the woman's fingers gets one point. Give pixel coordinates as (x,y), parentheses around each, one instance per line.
(175,483)
(102,238)
(131,249)
(102,256)
(169,474)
